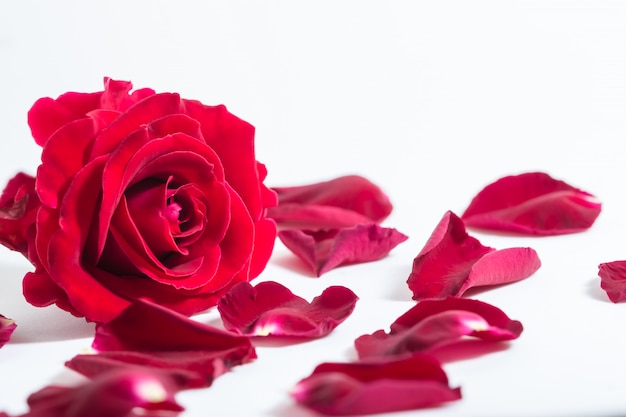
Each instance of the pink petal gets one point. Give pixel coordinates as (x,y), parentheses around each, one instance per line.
(122,393)
(452,262)
(324,250)
(532,203)
(378,387)
(152,336)
(341,202)
(613,280)
(439,322)
(7,326)
(271,309)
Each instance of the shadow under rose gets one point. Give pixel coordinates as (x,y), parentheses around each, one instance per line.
(36,324)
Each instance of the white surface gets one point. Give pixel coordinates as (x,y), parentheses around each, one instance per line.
(430,100)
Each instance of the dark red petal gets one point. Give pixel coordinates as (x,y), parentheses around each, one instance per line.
(324,250)
(129,393)
(378,387)
(269,308)
(340,202)
(441,322)
(18,210)
(444,264)
(613,280)
(532,203)
(7,326)
(148,335)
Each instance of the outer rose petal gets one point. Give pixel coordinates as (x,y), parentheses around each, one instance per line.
(120,393)
(341,202)
(18,210)
(339,389)
(451,262)
(271,309)
(149,335)
(533,203)
(7,326)
(434,323)
(613,280)
(324,250)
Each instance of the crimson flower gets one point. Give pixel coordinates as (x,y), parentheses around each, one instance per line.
(149,335)
(340,389)
(138,195)
(271,309)
(533,203)
(323,250)
(340,202)
(7,326)
(118,393)
(613,280)
(452,261)
(439,322)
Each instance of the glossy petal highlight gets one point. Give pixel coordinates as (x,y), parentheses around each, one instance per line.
(613,280)
(431,324)
(122,393)
(269,308)
(323,250)
(152,336)
(340,389)
(533,203)
(341,202)
(452,262)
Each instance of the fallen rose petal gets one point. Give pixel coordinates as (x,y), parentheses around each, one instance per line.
(533,203)
(613,280)
(452,262)
(324,250)
(440,322)
(341,202)
(378,387)
(149,335)
(7,326)
(128,393)
(18,210)
(271,309)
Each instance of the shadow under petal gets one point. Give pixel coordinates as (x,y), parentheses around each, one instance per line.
(467,349)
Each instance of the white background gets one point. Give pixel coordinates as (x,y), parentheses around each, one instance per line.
(430,100)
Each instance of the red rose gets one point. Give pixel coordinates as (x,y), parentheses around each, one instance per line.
(142,195)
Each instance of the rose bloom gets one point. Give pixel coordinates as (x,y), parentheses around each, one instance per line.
(138,195)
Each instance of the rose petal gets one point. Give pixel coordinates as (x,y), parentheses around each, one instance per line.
(452,262)
(378,387)
(150,335)
(613,280)
(324,250)
(341,202)
(123,393)
(271,309)
(7,326)
(532,203)
(18,210)
(434,323)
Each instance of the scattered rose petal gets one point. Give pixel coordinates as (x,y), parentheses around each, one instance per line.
(7,326)
(439,322)
(375,387)
(533,203)
(271,309)
(324,250)
(341,202)
(452,261)
(149,335)
(127,393)
(613,280)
